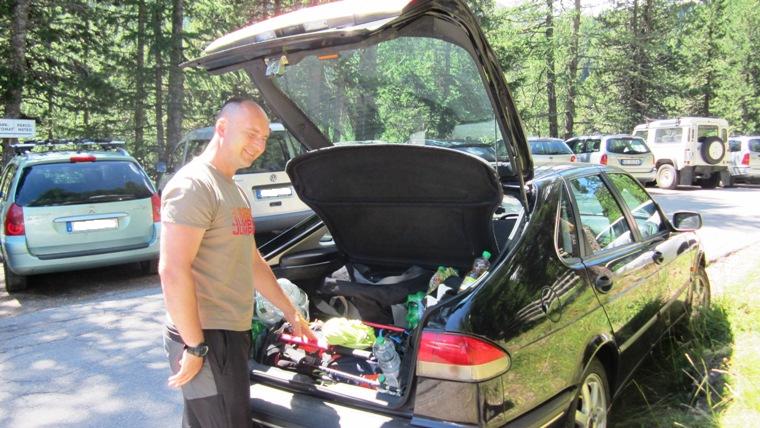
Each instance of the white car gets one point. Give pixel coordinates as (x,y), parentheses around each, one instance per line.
(744,160)
(274,202)
(687,150)
(549,151)
(623,151)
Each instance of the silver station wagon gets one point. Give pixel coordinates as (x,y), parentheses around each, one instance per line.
(75,209)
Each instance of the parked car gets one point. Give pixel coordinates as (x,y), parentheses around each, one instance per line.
(86,207)
(744,160)
(548,151)
(585,275)
(274,203)
(687,150)
(623,151)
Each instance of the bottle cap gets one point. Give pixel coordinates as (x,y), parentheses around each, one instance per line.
(381,378)
(486,255)
(380,340)
(441,268)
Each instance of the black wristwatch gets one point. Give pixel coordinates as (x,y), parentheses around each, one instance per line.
(199,351)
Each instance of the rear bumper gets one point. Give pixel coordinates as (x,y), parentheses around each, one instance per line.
(645,177)
(18,259)
(276,407)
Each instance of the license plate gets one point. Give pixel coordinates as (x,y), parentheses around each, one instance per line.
(90,225)
(630,162)
(273,192)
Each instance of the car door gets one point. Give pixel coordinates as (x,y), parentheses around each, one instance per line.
(620,267)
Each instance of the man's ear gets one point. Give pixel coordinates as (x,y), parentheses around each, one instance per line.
(221,126)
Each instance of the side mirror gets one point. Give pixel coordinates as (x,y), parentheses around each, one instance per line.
(686,221)
(160,167)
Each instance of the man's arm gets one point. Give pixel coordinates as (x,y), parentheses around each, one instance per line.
(179,246)
(266,284)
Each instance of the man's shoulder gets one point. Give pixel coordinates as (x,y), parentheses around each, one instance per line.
(193,174)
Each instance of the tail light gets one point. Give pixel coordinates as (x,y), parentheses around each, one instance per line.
(687,156)
(745,159)
(459,357)
(14,221)
(155,201)
(603,161)
(82,158)
(572,158)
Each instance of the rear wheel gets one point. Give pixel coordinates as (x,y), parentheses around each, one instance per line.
(589,409)
(149,267)
(667,176)
(710,182)
(13,282)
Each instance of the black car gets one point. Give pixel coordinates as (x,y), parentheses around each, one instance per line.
(586,273)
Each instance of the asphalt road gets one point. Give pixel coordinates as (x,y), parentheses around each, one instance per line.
(84,349)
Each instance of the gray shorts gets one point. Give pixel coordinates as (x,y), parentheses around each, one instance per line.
(219,395)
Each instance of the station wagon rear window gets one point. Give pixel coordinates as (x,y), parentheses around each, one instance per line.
(549,147)
(628,146)
(81,183)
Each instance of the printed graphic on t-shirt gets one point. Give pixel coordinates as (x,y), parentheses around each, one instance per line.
(242,222)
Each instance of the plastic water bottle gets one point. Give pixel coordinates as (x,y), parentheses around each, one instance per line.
(439,276)
(479,267)
(415,308)
(270,314)
(388,359)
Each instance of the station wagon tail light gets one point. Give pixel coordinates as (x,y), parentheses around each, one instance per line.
(603,160)
(459,357)
(14,221)
(155,202)
(82,158)
(745,159)
(572,158)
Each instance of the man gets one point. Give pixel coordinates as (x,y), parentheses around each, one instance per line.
(209,266)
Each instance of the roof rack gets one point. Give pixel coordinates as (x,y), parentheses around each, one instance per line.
(79,144)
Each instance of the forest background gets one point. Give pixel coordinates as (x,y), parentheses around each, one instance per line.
(110,69)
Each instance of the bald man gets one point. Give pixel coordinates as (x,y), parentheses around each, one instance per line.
(209,267)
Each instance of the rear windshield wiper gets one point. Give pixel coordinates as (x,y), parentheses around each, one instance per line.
(112,197)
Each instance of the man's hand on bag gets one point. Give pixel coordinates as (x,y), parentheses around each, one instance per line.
(189,366)
(301,327)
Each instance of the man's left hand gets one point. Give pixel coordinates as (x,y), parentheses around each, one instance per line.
(301,327)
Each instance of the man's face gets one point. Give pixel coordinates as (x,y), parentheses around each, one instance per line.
(247,131)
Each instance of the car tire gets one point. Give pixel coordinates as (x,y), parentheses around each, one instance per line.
(727,180)
(14,282)
(667,176)
(707,153)
(711,182)
(149,267)
(589,408)
(698,296)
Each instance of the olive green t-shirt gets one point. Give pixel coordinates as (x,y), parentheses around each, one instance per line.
(200,196)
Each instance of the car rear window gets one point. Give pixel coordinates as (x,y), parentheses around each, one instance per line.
(754,145)
(81,183)
(549,147)
(628,146)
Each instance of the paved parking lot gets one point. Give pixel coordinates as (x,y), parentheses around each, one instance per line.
(84,349)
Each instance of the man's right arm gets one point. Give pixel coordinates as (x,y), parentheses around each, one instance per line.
(179,246)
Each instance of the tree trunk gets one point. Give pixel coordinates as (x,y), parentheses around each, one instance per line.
(572,73)
(550,74)
(159,80)
(176,80)
(16,67)
(140,81)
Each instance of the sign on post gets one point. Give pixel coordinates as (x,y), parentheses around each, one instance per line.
(17,128)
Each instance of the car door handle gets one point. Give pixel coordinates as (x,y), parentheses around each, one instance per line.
(658,257)
(603,283)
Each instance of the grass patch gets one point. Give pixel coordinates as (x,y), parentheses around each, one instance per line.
(706,374)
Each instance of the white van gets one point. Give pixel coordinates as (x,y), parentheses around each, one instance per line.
(274,202)
(687,150)
(744,160)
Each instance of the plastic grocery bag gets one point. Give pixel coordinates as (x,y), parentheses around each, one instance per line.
(348,333)
(270,314)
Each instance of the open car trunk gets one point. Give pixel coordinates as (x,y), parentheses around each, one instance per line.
(394,213)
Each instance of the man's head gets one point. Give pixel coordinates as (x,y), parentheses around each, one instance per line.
(241,132)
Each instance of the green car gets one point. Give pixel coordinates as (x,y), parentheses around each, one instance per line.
(75,209)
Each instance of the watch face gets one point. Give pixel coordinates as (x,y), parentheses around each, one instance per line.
(199,351)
